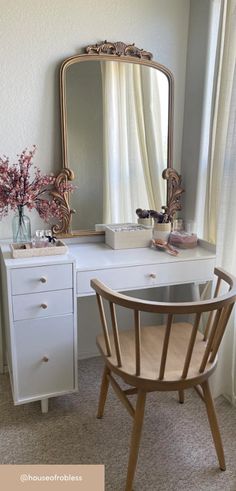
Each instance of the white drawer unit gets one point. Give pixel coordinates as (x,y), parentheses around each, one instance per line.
(40,326)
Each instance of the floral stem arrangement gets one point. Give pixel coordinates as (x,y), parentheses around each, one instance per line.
(23,186)
(173,201)
(18,187)
(158,217)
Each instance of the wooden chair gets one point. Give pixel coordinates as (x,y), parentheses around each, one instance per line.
(174,356)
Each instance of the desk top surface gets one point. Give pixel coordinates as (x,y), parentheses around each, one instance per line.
(94,256)
(100,256)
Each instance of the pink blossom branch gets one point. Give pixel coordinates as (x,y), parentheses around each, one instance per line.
(16,188)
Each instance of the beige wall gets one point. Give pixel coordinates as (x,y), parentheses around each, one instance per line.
(35,36)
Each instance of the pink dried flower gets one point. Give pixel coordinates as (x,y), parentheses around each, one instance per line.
(18,187)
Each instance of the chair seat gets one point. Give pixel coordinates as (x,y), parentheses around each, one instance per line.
(152,344)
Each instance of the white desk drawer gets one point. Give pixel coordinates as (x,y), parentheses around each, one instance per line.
(117,278)
(41,278)
(42,304)
(44,357)
(148,276)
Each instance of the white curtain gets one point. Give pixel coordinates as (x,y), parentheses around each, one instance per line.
(220,206)
(135,136)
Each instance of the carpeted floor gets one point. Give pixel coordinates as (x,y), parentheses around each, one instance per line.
(176,454)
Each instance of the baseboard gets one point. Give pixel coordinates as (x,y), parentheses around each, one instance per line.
(232,399)
(87,354)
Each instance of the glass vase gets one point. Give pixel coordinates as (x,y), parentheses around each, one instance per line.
(21,227)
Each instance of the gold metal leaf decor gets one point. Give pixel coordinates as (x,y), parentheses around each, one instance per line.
(62,200)
(174,192)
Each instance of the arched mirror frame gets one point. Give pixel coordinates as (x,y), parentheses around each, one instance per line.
(129,54)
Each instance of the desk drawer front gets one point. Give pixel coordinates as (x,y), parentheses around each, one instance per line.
(147,276)
(44,356)
(118,279)
(42,304)
(41,278)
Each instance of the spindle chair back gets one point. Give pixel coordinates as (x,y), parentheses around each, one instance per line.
(173,356)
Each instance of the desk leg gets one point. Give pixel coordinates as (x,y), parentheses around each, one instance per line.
(1,337)
(44,405)
(197,297)
(195,287)
(167,294)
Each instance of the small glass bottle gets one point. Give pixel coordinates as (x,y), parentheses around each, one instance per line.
(178,225)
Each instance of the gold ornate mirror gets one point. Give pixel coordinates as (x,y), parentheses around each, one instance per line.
(117,125)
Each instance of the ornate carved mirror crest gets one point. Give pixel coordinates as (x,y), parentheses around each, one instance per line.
(117,124)
(119,49)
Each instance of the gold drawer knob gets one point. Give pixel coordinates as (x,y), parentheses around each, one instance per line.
(153,275)
(43,279)
(44,306)
(45,359)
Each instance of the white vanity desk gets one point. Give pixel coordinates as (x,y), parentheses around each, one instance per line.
(40,293)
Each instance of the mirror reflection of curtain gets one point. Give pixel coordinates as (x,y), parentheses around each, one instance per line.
(135,139)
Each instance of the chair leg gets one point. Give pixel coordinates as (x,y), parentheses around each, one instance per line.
(135,438)
(214,424)
(103,392)
(181,396)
